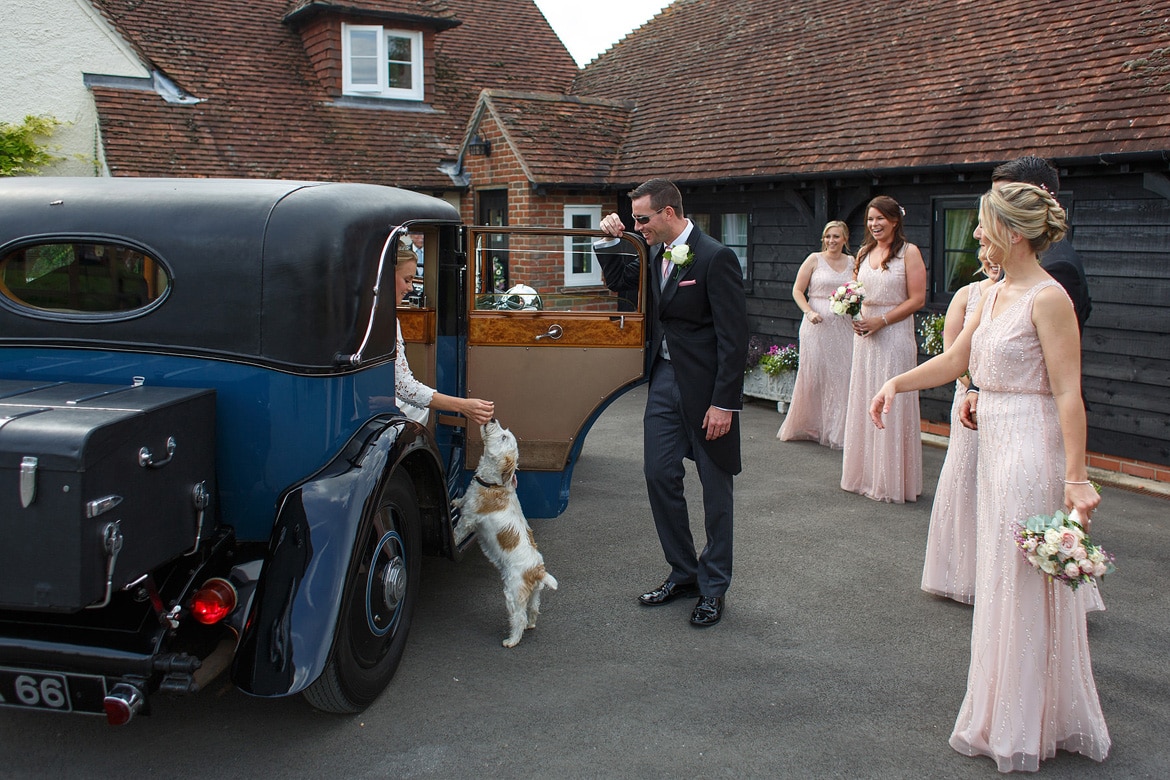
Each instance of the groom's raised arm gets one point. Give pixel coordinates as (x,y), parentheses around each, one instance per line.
(619,263)
(617,255)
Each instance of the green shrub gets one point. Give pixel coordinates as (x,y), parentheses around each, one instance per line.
(20,152)
(931,331)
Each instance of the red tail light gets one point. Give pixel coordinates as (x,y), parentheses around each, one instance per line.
(214,601)
(122,702)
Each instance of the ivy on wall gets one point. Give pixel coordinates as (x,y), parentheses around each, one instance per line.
(22,146)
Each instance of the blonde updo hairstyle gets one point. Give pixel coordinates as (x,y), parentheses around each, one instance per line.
(836,223)
(1024,209)
(404,258)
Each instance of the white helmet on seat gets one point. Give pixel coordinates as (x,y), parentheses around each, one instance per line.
(520,297)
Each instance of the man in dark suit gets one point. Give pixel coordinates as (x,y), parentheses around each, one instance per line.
(698,347)
(416,246)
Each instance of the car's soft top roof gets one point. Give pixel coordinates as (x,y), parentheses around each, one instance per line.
(278,272)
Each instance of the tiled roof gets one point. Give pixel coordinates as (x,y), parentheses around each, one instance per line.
(417,8)
(560,140)
(768,89)
(265,113)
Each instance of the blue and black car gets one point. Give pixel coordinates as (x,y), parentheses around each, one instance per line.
(202,467)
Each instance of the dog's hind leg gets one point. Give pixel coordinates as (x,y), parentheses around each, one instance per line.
(546,581)
(537,579)
(517,613)
(534,606)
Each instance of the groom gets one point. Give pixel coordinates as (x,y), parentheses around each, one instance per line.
(698,348)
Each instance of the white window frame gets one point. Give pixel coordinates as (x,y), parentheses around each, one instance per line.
(740,250)
(593,277)
(380,87)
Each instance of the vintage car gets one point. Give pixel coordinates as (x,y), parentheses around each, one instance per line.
(202,466)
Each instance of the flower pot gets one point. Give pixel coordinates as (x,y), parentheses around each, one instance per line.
(778,388)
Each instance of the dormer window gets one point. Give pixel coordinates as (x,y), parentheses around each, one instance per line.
(381,62)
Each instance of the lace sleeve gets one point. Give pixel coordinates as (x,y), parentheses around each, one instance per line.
(406,387)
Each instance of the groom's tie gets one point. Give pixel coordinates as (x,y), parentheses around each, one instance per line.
(666,262)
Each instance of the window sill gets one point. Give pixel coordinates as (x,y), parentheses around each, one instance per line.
(382,104)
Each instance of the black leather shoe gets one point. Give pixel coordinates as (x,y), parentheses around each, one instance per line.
(667,592)
(707,611)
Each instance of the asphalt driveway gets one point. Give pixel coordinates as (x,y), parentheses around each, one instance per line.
(829,661)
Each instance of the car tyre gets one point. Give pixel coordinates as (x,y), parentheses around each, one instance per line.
(381,589)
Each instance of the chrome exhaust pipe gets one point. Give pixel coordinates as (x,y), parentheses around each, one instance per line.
(122,702)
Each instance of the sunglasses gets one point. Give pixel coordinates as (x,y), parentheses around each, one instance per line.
(642,220)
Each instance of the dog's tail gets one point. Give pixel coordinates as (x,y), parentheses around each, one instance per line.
(549,581)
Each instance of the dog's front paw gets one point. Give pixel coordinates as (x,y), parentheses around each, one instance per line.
(511,641)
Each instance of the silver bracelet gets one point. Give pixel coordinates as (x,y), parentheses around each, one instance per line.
(974,390)
(1075,482)
(887,322)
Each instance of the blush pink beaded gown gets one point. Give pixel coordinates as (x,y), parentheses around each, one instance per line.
(1030,688)
(885,465)
(821,393)
(949,566)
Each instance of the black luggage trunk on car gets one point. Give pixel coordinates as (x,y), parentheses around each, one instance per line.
(99,484)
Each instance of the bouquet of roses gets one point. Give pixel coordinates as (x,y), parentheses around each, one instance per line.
(1059,547)
(846,299)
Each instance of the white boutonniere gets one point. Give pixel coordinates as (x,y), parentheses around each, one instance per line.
(682,256)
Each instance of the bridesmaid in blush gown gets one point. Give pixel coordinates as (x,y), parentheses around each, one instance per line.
(949,566)
(885,465)
(1030,686)
(817,411)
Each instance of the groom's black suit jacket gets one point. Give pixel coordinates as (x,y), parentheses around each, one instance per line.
(702,314)
(1064,265)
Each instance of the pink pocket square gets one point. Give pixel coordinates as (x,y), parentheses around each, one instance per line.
(688,282)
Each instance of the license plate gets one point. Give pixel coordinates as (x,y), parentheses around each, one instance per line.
(54,691)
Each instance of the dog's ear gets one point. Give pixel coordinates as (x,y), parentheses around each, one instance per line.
(507,469)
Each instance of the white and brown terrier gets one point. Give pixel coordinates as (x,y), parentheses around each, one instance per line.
(491,508)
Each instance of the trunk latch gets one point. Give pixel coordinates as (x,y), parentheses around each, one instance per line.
(28,481)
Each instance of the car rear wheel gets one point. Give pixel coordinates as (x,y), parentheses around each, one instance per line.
(381,588)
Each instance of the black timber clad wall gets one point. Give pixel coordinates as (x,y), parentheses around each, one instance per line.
(1121,230)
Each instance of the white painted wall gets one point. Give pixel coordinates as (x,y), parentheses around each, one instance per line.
(48,45)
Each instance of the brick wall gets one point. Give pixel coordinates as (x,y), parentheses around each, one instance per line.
(536,262)
(322,40)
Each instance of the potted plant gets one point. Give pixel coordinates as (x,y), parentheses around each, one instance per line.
(771,372)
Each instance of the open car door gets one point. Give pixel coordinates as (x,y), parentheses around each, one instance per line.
(550,344)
